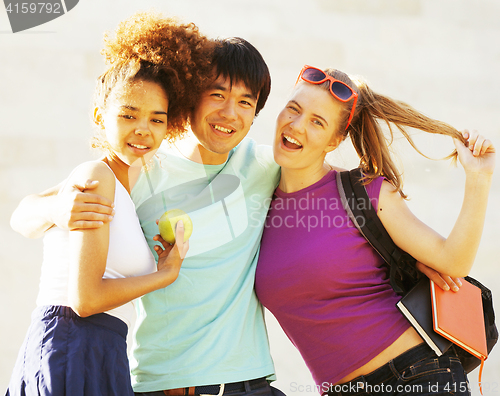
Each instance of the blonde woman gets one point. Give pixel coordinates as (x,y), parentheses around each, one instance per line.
(325,284)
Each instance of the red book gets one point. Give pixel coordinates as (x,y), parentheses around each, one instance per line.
(458,316)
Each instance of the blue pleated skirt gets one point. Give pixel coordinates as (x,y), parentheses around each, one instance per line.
(64,354)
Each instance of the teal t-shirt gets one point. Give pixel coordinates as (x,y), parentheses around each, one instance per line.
(208,326)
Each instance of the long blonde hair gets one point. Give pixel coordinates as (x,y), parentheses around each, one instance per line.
(366,133)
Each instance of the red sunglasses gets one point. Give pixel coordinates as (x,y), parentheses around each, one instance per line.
(338,89)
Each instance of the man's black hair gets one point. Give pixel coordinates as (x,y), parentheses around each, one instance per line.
(238,60)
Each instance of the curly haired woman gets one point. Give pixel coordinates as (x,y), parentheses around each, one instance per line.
(76,344)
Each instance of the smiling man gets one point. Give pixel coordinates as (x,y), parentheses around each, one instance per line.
(205,333)
(222,119)
(208,327)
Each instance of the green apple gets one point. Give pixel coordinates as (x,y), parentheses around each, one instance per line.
(169,220)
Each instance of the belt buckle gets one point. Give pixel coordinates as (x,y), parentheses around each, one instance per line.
(221,391)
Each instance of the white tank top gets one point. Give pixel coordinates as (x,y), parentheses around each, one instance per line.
(128,255)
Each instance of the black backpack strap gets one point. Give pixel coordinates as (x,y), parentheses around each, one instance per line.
(355,200)
(403,273)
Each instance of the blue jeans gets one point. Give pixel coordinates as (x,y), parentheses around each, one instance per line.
(417,371)
(266,390)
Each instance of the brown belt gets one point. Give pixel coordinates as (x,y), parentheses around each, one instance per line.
(216,390)
(191,391)
(180,391)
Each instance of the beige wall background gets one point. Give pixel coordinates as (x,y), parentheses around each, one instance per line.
(442,56)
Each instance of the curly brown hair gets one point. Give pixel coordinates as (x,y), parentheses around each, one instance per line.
(149,46)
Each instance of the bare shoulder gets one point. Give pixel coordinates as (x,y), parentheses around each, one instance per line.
(390,199)
(388,188)
(98,171)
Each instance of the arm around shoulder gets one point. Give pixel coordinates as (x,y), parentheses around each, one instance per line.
(32,217)
(68,205)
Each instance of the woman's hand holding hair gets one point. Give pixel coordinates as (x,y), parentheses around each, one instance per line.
(478,157)
(453,255)
(170,257)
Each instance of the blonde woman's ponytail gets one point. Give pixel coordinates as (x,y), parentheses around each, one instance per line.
(369,140)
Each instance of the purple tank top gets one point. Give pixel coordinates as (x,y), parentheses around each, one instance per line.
(324,283)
